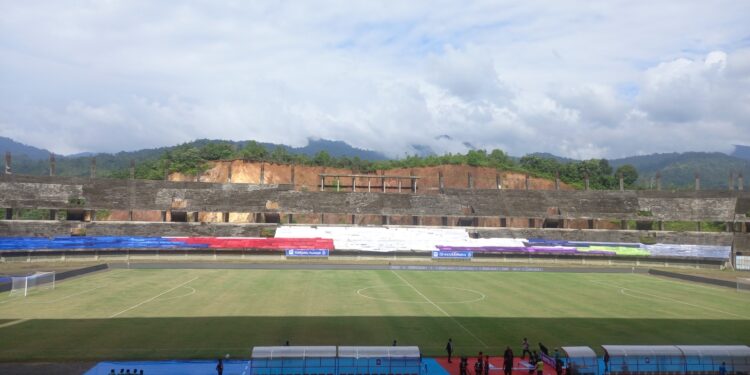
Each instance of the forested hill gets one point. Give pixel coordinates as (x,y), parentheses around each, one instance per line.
(34,161)
(678,169)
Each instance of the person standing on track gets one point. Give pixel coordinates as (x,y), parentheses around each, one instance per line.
(525,348)
(449,349)
(540,367)
(219,367)
(508,361)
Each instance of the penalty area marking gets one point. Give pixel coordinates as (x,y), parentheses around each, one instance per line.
(181,295)
(12,323)
(152,298)
(361,294)
(440,309)
(623,291)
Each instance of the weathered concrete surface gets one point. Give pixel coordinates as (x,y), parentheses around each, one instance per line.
(111,194)
(49,228)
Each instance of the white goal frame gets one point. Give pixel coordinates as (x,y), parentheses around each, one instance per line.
(23,285)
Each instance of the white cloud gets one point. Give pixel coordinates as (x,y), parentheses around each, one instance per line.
(610,80)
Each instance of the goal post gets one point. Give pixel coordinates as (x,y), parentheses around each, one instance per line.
(743,284)
(23,285)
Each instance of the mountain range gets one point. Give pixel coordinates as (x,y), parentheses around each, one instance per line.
(677,169)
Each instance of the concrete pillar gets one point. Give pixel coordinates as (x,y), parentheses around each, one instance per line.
(697,181)
(471,180)
(338,184)
(92,171)
(622,182)
(740,182)
(229,172)
(262,174)
(369,184)
(322,218)
(292,177)
(354,184)
(498,182)
(413,183)
(385,220)
(444,221)
(557,180)
(132,169)
(196,218)
(354,219)
(7,162)
(322,183)
(382,180)
(730,184)
(503,222)
(586,180)
(441,182)
(526,182)
(225,217)
(130,215)
(163,216)
(52,164)
(289,218)
(658,180)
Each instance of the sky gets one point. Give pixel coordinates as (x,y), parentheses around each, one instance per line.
(580,79)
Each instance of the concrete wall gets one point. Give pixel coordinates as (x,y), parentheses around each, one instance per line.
(50,228)
(111,194)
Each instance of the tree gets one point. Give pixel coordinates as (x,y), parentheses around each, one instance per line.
(629,174)
(216,151)
(253,151)
(322,158)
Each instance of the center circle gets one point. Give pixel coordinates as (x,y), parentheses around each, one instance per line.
(388,293)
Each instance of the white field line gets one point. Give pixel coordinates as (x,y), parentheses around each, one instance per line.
(181,295)
(153,298)
(623,289)
(65,297)
(12,323)
(97,276)
(440,309)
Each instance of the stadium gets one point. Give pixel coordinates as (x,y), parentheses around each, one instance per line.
(370,274)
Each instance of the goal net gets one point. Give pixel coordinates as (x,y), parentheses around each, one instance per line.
(24,285)
(743,284)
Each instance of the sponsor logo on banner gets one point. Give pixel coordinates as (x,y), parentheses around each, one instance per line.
(307,252)
(452,254)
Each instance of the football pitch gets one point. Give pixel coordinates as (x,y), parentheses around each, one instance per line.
(169,314)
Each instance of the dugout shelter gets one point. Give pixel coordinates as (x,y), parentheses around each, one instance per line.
(581,360)
(385,360)
(677,359)
(302,360)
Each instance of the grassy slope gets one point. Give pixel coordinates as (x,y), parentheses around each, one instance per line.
(231,311)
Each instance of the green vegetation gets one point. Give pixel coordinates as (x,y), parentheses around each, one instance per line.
(645,213)
(168,314)
(192,160)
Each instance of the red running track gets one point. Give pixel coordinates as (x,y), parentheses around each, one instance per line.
(520,366)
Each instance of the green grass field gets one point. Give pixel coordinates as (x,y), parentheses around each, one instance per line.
(163,314)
